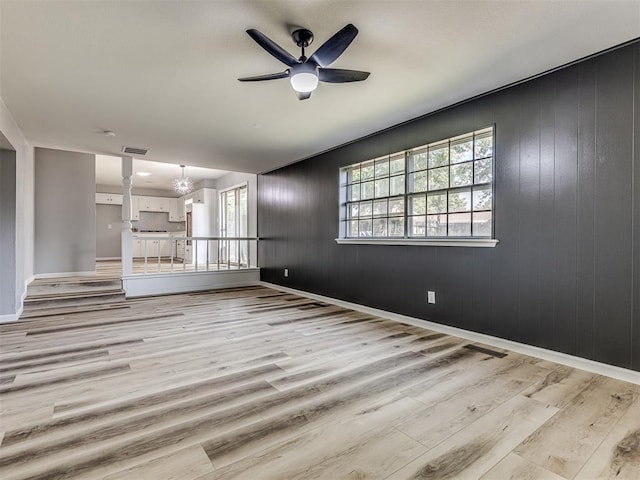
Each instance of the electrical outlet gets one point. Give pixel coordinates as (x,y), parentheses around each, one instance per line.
(286,272)
(431,296)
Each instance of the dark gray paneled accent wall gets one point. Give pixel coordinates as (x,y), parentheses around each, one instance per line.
(65,212)
(7,232)
(566,273)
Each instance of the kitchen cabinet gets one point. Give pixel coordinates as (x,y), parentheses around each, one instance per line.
(108,198)
(182,250)
(182,213)
(148,204)
(163,246)
(140,203)
(198,196)
(176,212)
(162,204)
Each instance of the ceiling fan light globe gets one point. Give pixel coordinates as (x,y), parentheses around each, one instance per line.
(304,82)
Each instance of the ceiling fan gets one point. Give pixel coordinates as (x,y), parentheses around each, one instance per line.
(305,73)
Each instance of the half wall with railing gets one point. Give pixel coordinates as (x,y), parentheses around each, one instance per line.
(174,264)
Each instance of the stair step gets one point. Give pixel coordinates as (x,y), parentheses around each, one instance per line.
(43,287)
(73,300)
(48,312)
(70,295)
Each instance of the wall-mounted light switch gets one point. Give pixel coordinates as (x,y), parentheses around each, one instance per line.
(286,272)
(431,296)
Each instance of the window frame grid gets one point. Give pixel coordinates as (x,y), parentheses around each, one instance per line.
(345,218)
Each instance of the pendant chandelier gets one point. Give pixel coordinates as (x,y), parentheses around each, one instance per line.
(182,185)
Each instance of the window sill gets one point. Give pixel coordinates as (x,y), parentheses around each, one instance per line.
(457,242)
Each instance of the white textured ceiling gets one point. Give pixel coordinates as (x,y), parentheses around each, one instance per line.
(163,74)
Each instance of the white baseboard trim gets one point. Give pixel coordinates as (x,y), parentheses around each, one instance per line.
(542,353)
(88,273)
(11,317)
(27,282)
(14,317)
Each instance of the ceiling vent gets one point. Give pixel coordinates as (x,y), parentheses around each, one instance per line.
(134,150)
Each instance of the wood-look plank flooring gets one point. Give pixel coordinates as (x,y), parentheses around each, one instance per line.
(253,384)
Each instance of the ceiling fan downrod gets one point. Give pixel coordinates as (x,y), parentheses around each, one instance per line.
(303,38)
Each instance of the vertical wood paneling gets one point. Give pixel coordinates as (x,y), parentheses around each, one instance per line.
(564,281)
(504,272)
(529,218)
(635,334)
(566,214)
(585,211)
(547,208)
(614,143)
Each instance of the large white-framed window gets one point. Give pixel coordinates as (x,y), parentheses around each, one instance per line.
(233,223)
(439,193)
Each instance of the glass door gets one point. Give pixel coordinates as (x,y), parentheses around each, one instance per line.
(233,224)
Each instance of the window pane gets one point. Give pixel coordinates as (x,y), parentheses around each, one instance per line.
(483,171)
(396,165)
(461,150)
(380,207)
(382,168)
(353,174)
(482,224)
(397,185)
(353,192)
(439,155)
(417,226)
(418,159)
(352,228)
(436,226)
(366,171)
(382,187)
(460,200)
(396,227)
(396,206)
(353,210)
(439,190)
(461,175)
(419,180)
(439,178)
(484,145)
(364,228)
(460,225)
(437,203)
(367,190)
(380,227)
(482,198)
(418,205)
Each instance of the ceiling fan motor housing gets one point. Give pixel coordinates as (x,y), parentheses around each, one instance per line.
(302,37)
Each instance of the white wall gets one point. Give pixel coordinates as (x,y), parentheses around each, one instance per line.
(65,214)
(7,228)
(25,206)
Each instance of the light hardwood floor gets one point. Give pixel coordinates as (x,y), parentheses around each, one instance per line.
(256,384)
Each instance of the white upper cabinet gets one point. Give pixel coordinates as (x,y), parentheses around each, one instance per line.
(198,196)
(139,203)
(109,198)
